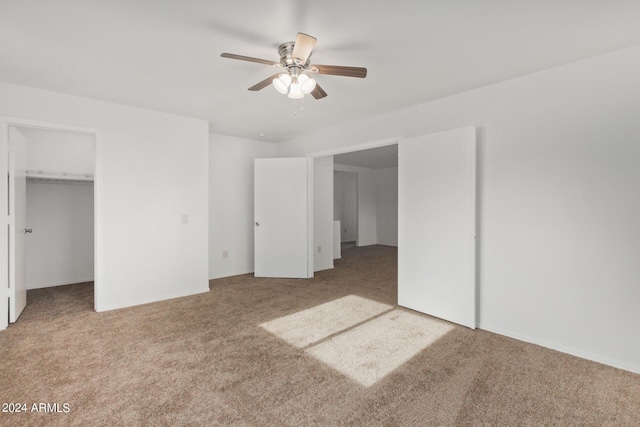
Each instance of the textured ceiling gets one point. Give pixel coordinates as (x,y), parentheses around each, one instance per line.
(165,55)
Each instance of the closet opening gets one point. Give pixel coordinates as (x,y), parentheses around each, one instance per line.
(57,250)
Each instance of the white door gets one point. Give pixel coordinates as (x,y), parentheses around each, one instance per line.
(283,217)
(17,223)
(436,225)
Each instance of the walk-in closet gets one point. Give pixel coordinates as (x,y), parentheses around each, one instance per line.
(59,234)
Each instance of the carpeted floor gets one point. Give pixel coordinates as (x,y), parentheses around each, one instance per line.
(206,360)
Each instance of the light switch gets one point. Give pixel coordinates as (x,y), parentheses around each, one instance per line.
(185,218)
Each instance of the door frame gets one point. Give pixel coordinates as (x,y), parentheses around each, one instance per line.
(5,123)
(350,149)
(17,224)
(358,147)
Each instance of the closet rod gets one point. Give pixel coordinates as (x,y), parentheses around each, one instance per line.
(49,176)
(60,175)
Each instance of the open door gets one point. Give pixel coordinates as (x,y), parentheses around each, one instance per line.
(283,217)
(436,225)
(17,223)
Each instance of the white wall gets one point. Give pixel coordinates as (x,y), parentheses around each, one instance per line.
(345,199)
(60,249)
(152,172)
(367,215)
(383,191)
(55,151)
(387,206)
(323,213)
(558,205)
(231,224)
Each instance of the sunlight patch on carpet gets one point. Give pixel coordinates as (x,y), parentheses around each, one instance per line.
(314,324)
(360,338)
(372,350)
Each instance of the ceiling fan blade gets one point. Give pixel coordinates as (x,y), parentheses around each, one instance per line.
(318,92)
(266,82)
(337,70)
(303,47)
(250,59)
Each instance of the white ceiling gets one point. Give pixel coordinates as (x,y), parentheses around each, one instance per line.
(165,54)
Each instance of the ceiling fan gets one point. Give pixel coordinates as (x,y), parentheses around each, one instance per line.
(294,80)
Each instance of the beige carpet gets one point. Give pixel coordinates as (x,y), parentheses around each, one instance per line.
(230,357)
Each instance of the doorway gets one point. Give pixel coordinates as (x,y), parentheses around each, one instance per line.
(51,238)
(366,195)
(436,208)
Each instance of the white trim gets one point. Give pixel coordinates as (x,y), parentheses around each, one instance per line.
(4,235)
(310,228)
(40,124)
(357,147)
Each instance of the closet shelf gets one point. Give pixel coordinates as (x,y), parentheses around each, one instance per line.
(58,177)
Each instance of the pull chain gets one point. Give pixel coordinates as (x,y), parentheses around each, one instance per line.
(295,106)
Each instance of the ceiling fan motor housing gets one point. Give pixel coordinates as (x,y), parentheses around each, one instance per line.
(286,56)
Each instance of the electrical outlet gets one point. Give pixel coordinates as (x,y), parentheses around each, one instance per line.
(225,254)
(319,249)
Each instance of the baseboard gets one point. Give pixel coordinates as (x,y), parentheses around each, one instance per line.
(238,273)
(564,349)
(63,283)
(151,300)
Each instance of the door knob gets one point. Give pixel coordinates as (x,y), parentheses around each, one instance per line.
(257,224)
(28,230)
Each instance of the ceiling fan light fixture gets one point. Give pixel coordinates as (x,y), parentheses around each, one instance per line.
(307,84)
(295,91)
(282,83)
